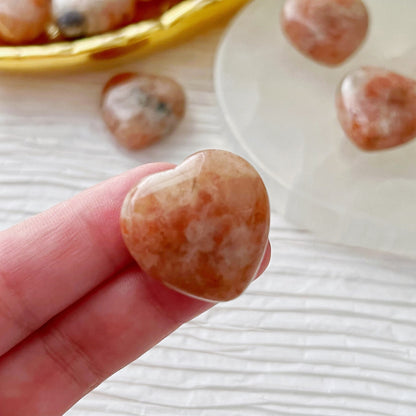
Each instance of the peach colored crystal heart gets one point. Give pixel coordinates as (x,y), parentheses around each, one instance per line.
(377,108)
(328,31)
(23,21)
(201,228)
(140,109)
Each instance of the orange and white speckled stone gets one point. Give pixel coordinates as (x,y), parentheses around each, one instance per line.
(328,31)
(22,21)
(201,228)
(140,109)
(76,18)
(377,108)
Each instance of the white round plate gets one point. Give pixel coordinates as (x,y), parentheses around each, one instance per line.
(279,106)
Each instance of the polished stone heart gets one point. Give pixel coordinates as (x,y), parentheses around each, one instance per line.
(201,228)
(328,31)
(76,18)
(23,21)
(377,108)
(140,109)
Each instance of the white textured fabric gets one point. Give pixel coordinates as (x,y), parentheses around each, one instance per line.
(327,331)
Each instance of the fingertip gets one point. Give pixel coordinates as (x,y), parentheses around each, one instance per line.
(134,176)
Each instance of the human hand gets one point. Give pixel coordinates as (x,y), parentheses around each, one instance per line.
(74,306)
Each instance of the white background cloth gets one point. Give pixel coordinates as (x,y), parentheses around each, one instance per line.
(328,330)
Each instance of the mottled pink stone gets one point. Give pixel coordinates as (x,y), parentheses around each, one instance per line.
(22,21)
(140,109)
(377,108)
(201,228)
(328,31)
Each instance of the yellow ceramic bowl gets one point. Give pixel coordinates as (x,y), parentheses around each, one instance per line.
(183,20)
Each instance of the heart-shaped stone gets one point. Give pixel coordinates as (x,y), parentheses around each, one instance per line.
(76,18)
(140,109)
(377,108)
(328,31)
(23,21)
(201,228)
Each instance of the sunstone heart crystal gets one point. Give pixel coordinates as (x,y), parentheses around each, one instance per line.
(200,228)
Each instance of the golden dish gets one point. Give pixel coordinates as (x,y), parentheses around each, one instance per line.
(184,19)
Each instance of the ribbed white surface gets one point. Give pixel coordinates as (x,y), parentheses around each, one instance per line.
(327,331)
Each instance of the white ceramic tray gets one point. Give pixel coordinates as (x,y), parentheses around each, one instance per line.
(279,106)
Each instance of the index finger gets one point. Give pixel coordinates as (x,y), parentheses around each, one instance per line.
(53,259)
